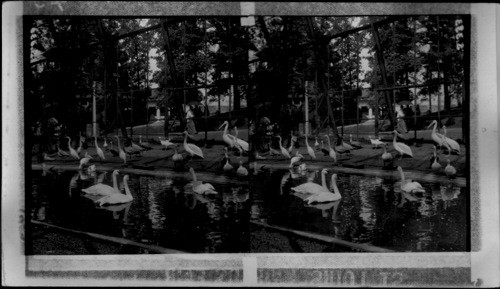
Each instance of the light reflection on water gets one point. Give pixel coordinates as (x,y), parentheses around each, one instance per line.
(165,212)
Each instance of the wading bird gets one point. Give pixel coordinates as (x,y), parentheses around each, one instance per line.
(295,159)
(283,150)
(241,144)
(80,146)
(112,150)
(409,186)
(402,148)
(85,160)
(118,198)
(226,137)
(61,153)
(100,153)
(331,151)
(200,187)
(310,150)
(72,151)
(102,189)
(121,152)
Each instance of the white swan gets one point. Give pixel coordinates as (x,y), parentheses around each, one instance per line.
(326,196)
(102,189)
(199,187)
(100,153)
(191,148)
(402,148)
(310,150)
(118,198)
(331,151)
(313,188)
(409,186)
(242,171)
(283,150)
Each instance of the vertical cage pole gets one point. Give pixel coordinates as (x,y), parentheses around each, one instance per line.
(439,70)
(416,80)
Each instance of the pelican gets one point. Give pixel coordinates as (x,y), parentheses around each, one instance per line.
(191,148)
(436,137)
(409,186)
(102,189)
(226,137)
(166,143)
(144,145)
(176,157)
(386,156)
(199,187)
(118,198)
(227,167)
(100,153)
(313,188)
(295,159)
(401,147)
(435,165)
(331,151)
(449,143)
(355,144)
(375,142)
(122,153)
(239,142)
(450,170)
(242,171)
(72,151)
(283,150)
(310,151)
(85,160)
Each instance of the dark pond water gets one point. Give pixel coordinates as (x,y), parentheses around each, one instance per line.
(164,213)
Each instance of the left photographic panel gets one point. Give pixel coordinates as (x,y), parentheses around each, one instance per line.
(136,135)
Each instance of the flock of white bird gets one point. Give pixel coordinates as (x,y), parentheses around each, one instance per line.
(321,193)
(315,193)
